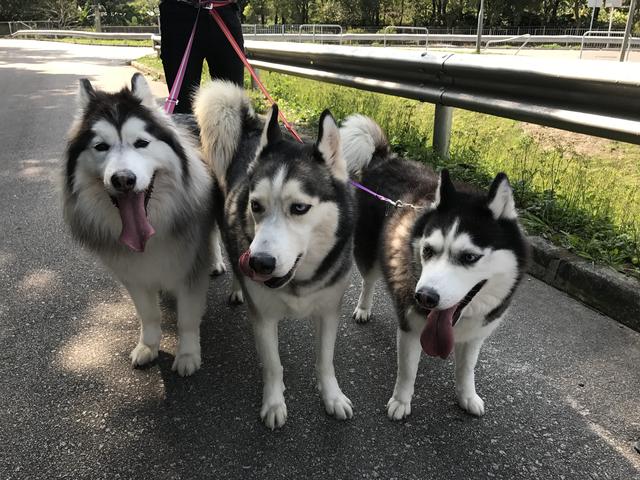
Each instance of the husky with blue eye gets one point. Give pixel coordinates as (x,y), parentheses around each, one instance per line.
(137,194)
(451,265)
(287,225)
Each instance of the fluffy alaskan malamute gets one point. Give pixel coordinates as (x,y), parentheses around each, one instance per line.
(137,194)
(287,227)
(451,265)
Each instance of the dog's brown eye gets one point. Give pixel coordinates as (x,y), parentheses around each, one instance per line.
(256,207)
(299,208)
(102,147)
(427,252)
(140,143)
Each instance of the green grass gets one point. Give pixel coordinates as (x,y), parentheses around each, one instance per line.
(100,41)
(151,61)
(588,203)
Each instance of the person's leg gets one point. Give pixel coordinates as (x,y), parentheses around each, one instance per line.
(176,23)
(222,59)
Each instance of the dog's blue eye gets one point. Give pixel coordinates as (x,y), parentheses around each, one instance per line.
(256,207)
(140,143)
(300,208)
(468,258)
(102,147)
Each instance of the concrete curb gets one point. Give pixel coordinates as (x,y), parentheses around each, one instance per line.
(599,287)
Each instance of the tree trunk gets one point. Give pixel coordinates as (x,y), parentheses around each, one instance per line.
(554,12)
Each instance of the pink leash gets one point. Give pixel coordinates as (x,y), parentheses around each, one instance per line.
(172,100)
(227,33)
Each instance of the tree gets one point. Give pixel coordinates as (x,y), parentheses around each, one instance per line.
(63,13)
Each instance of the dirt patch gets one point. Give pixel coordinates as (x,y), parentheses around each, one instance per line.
(587,145)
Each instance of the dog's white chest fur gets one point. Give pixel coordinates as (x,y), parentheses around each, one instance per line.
(154,268)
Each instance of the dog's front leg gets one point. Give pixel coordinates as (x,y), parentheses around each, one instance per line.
(335,402)
(236,297)
(192,300)
(274,409)
(146,302)
(217,262)
(466,358)
(409,349)
(362,313)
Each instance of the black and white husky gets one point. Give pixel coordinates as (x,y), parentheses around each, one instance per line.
(287,227)
(451,265)
(137,194)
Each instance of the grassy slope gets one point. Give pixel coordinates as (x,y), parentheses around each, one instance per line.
(587,202)
(100,41)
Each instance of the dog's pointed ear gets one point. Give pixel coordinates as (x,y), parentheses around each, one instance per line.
(328,145)
(140,89)
(270,134)
(500,199)
(445,190)
(85,93)
(271,131)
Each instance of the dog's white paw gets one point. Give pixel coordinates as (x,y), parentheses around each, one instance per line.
(274,414)
(360,315)
(143,354)
(397,410)
(236,297)
(186,364)
(339,406)
(218,268)
(473,404)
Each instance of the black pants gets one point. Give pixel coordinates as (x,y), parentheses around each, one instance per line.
(176,22)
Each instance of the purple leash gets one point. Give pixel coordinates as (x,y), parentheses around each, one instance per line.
(382,198)
(172,100)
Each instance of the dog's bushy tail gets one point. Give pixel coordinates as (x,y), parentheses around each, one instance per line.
(361,139)
(220,108)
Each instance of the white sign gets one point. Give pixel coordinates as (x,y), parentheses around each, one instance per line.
(613,3)
(594,3)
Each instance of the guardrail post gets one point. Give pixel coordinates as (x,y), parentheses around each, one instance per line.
(627,30)
(480,25)
(442,129)
(254,85)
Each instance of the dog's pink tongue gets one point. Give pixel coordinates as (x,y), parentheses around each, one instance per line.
(136,229)
(245,268)
(437,336)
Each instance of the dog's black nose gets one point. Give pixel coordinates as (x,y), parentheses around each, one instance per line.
(262,263)
(123,180)
(427,298)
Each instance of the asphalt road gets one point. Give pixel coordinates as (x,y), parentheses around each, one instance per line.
(561,382)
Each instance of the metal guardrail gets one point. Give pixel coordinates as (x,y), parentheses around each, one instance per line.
(596,98)
(356,38)
(600,37)
(425,30)
(526,36)
(82,34)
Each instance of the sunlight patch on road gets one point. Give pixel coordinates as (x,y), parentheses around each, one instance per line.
(96,346)
(626,450)
(38,281)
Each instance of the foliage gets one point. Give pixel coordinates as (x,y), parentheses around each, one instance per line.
(67,13)
(432,13)
(351,13)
